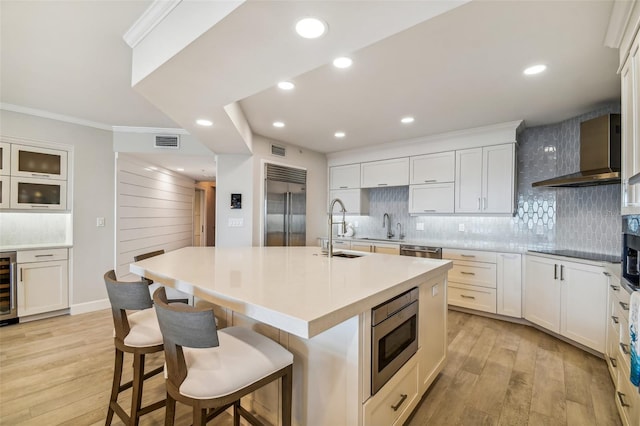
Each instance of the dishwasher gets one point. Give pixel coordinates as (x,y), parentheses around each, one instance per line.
(421,251)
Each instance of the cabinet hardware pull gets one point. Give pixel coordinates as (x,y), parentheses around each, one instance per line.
(403,397)
(614,362)
(625,348)
(606,274)
(382,184)
(39,206)
(44,255)
(20,274)
(622,402)
(464,296)
(432,210)
(484,203)
(467,255)
(467,273)
(614,287)
(561,272)
(343,187)
(555,271)
(430,180)
(625,306)
(479,207)
(39,175)
(615,319)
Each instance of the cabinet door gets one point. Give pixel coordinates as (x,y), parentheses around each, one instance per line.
(38,194)
(468,192)
(431,198)
(30,161)
(432,168)
(361,247)
(344,177)
(498,179)
(509,283)
(628,133)
(542,292)
(5,159)
(5,188)
(584,304)
(635,142)
(386,248)
(385,173)
(356,201)
(42,287)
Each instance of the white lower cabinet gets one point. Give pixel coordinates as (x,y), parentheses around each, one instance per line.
(43,281)
(433,332)
(391,407)
(509,285)
(568,298)
(383,248)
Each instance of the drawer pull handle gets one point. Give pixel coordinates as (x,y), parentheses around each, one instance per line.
(622,401)
(561,272)
(625,306)
(555,271)
(615,319)
(467,273)
(39,175)
(430,180)
(431,210)
(606,274)
(614,287)
(464,296)
(625,348)
(403,397)
(343,187)
(467,255)
(382,184)
(614,362)
(44,255)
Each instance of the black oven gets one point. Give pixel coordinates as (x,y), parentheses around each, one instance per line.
(630,260)
(394,336)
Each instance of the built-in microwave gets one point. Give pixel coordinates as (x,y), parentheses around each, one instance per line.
(630,259)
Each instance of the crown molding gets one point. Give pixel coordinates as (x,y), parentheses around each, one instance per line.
(151,17)
(54,116)
(618,21)
(149,130)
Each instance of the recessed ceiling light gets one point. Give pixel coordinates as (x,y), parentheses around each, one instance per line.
(407,120)
(536,69)
(339,134)
(203,122)
(278,124)
(310,27)
(180,169)
(342,62)
(286,85)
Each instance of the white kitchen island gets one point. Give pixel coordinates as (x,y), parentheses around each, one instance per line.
(320,309)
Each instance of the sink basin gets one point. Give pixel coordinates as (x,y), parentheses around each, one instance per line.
(381,239)
(346,255)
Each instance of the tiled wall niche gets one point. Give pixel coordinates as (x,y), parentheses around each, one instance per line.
(585,219)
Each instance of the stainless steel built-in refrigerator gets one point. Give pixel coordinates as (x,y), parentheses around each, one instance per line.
(285,206)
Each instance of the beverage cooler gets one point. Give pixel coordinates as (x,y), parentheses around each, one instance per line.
(8,302)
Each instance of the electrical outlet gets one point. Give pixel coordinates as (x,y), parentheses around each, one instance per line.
(355,224)
(420,226)
(100,221)
(434,290)
(461,227)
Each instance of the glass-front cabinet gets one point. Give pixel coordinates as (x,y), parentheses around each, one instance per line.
(38,194)
(4,192)
(5,159)
(36,162)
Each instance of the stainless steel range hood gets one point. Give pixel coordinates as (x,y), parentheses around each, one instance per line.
(599,155)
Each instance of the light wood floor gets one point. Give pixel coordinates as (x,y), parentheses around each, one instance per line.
(58,371)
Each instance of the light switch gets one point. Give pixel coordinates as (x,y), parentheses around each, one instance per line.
(236,222)
(100,221)
(420,226)
(461,227)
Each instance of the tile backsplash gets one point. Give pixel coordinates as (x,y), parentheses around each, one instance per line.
(585,219)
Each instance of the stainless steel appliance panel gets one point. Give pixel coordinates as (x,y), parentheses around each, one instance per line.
(285,206)
(421,251)
(8,282)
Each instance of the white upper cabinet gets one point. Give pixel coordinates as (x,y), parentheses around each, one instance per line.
(431,198)
(356,201)
(344,177)
(433,168)
(630,103)
(485,180)
(37,162)
(383,173)
(5,159)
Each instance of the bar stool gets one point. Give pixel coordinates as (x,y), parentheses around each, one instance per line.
(211,369)
(175,296)
(137,333)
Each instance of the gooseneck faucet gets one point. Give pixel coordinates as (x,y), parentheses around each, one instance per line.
(387,218)
(331,223)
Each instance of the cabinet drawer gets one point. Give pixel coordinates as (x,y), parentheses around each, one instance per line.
(379,409)
(472,297)
(45,255)
(345,245)
(623,347)
(469,255)
(627,399)
(474,273)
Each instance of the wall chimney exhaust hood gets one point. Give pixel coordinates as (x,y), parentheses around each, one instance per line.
(599,155)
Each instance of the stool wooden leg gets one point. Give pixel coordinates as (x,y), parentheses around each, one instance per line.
(115,387)
(138,380)
(170,413)
(236,413)
(199,416)
(287,391)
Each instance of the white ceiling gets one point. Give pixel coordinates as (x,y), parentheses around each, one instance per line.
(459,70)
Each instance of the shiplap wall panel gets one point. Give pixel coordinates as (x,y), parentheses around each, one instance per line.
(154,212)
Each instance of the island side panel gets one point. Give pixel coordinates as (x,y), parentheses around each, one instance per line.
(432,337)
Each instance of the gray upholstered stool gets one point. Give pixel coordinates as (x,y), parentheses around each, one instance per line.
(137,333)
(211,370)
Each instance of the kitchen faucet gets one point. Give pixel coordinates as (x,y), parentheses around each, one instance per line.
(387,218)
(400,234)
(331,223)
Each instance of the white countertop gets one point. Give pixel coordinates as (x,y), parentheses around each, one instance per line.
(295,289)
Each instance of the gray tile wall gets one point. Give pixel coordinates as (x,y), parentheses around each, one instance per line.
(585,219)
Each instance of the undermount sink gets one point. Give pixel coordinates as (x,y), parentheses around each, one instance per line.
(381,239)
(347,255)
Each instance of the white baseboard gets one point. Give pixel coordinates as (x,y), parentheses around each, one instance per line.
(96,305)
